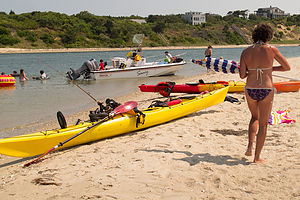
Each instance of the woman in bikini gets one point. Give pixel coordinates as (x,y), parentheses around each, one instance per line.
(256,64)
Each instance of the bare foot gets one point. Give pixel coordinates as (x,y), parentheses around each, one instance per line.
(248,152)
(258,161)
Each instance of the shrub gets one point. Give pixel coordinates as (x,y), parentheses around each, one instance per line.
(159,27)
(4,31)
(8,40)
(47,38)
(31,36)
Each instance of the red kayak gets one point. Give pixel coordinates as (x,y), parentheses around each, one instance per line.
(184,88)
(165,88)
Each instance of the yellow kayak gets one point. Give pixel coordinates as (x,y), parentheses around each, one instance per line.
(38,143)
(234,86)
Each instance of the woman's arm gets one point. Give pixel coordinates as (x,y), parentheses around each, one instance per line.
(281,60)
(243,67)
(25,76)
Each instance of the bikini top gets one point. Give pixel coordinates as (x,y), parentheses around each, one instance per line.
(260,70)
(261,43)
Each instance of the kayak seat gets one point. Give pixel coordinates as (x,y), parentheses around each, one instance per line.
(195,84)
(192,84)
(61,120)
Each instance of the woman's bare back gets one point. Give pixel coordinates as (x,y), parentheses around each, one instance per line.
(259,61)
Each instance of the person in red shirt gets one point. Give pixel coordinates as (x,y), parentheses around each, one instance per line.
(101,65)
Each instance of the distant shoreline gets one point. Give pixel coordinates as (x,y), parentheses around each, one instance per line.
(18,50)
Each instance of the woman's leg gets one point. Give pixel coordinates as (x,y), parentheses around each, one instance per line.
(264,109)
(253,125)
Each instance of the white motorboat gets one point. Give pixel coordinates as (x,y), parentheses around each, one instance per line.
(128,68)
(134,66)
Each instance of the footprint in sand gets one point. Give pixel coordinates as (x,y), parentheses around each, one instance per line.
(45,181)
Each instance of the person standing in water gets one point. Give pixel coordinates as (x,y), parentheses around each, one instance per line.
(22,76)
(43,75)
(208,51)
(256,64)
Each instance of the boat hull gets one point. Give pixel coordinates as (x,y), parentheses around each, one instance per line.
(38,143)
(140,71)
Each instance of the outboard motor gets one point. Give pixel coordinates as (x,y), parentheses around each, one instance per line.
(85,69)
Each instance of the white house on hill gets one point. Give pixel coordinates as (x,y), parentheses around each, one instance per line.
(195,18)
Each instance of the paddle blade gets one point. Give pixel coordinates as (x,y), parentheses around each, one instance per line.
(128,106)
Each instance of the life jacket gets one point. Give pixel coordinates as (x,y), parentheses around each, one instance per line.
(122,66)
(129,54)
(164,88)
(137,58)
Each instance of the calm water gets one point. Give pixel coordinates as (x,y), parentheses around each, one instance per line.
(35,101)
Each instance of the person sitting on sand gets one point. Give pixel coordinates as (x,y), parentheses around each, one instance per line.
(22,76)
(256,64)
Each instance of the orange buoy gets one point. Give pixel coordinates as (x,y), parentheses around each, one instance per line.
(7,80)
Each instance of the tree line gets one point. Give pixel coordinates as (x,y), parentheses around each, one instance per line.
(56,30)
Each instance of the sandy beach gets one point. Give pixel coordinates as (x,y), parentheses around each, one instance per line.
(200,156)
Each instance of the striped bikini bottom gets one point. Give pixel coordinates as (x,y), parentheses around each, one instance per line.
(258,94)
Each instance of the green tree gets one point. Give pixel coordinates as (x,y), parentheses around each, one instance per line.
(47,38)
(159,27)
(12,12)
(4,31)
(253,17)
